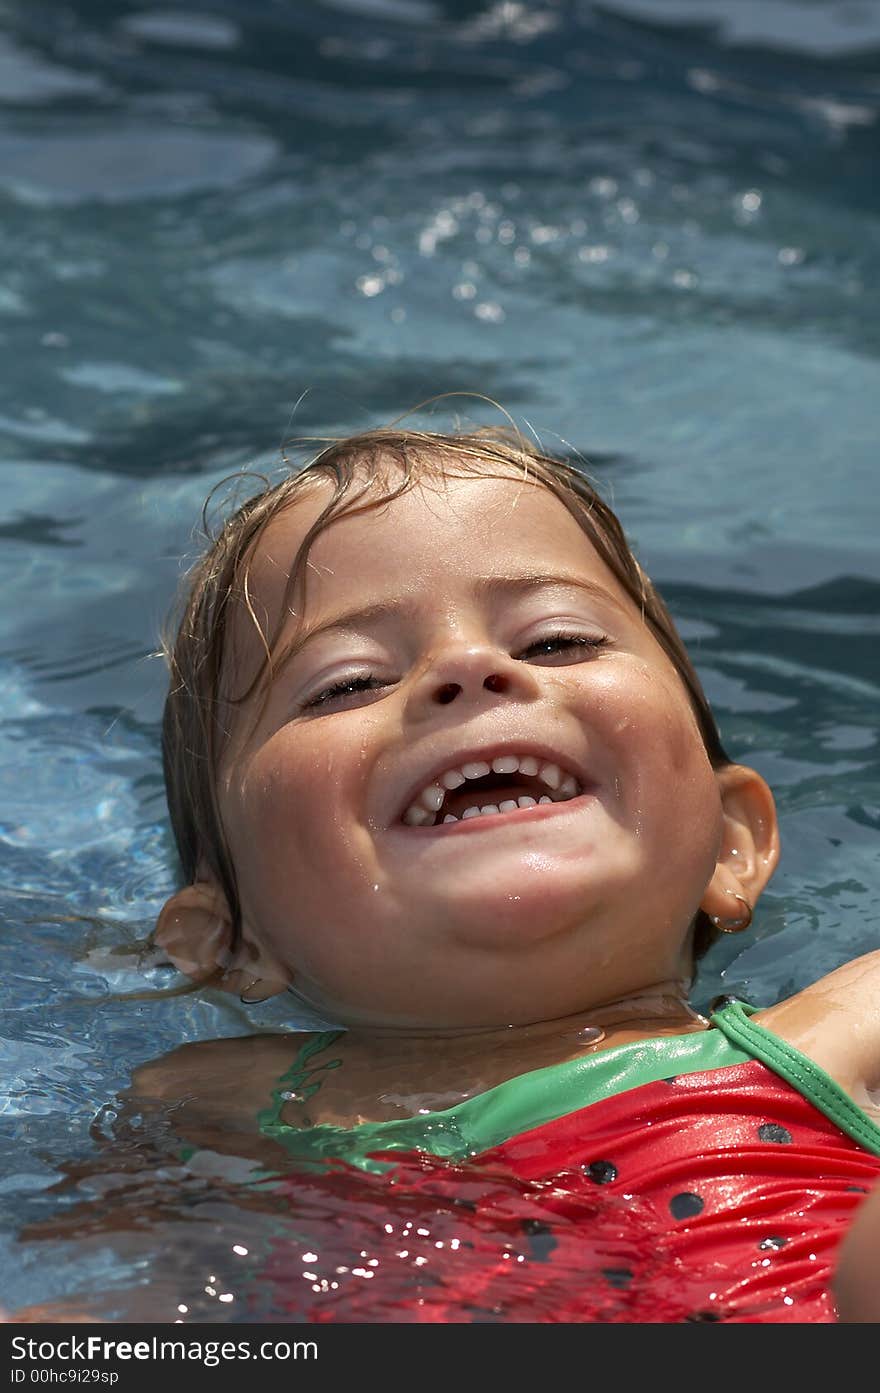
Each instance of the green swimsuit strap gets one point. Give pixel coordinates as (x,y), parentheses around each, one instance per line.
(811,1081)
(298,1082)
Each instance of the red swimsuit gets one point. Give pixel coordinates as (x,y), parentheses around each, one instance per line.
(699,1177)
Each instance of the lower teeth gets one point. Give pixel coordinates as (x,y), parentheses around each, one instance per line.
(493,808)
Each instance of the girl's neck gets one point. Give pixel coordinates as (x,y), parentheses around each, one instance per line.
(388,1072)
(662,1008)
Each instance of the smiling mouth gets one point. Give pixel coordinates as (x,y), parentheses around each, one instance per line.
(489,794)
(490,821)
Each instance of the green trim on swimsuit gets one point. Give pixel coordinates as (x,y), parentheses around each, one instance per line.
(804,1076)
(543,1095)
(515,1106)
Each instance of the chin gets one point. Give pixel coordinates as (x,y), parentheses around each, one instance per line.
(518,920)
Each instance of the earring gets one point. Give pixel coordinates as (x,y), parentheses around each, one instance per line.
(733,926)
(247,1000)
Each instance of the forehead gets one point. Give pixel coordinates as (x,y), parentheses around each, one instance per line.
(457,525)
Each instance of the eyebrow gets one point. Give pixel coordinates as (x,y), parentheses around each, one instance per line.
(486,587)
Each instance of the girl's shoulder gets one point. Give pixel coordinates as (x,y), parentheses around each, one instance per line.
(215,1066)
(850,991)
(215,1089)
(835,1021)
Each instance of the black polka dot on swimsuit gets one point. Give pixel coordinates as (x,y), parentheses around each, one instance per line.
(685,1205)
(540,1238)
(601,1172)
(771,1131)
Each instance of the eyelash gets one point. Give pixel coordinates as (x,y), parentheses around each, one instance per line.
(350,685)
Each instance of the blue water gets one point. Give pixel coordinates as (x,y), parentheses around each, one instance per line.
(647,228)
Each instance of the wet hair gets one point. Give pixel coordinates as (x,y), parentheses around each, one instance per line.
(376,466)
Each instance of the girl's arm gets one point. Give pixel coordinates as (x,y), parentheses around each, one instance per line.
(857,1276)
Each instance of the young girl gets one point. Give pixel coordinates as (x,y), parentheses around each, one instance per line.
(439,766)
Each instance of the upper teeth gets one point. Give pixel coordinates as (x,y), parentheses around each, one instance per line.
(422,811)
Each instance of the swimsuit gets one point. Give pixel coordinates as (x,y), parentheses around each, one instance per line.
(707,1176)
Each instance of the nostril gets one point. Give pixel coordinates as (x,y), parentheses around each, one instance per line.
(447,693)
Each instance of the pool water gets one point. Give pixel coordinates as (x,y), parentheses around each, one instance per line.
(647,228)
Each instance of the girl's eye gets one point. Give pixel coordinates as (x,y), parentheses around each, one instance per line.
(348,686)
(564,640)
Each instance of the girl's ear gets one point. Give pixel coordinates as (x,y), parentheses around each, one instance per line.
(195,929)
(749,848)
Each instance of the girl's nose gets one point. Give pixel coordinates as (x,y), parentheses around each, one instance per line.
(467,674)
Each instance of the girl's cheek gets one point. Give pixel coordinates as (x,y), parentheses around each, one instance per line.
(284,766)
(648,717)
(673,720)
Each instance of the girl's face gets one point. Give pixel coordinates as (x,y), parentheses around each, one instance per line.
(525,915)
